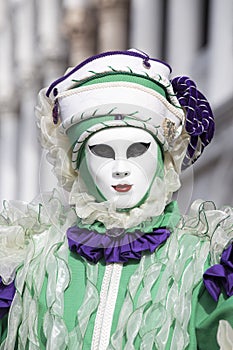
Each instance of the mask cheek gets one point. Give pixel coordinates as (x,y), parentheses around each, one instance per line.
(101,172)
(141,182)
(145,165)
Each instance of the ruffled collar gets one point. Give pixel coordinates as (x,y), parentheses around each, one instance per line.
(94,247)
(118,245)
(91,211)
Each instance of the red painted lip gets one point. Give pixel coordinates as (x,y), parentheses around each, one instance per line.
(122,188)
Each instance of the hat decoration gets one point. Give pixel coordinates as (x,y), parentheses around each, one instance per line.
(199,121)
(128,88)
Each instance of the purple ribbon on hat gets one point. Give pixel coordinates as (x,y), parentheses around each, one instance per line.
(7,293)
(220,275)
(199,121)
(115,245)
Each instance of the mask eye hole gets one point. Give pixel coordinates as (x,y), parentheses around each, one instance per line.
(137,149)
(103,151)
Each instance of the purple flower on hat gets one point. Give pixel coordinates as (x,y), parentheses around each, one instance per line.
(199,122)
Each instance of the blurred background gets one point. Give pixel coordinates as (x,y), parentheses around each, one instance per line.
(39,39)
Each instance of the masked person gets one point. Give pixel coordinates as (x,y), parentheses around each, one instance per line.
(119,267)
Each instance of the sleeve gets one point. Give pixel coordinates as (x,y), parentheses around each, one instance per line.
(215,304)
(209,315)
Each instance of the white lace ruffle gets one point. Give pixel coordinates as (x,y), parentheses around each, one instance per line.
(20,222)
(205,220)
(90,211)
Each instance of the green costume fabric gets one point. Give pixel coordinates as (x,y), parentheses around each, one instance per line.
(204,318)
(161,301)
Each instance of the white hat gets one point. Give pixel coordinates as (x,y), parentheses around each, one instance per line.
(128,88)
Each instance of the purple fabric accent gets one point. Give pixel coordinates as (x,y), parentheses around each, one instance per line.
(55,112)
(55,92)
(199,117)
(104,54)
(94,246)
(7,293)
(146,62)
(119,117)
(220,275)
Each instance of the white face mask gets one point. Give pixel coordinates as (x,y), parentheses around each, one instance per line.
(122,162)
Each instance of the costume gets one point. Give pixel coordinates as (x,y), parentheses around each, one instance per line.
(119,267)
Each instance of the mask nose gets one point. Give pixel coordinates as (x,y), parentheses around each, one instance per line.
(120,170)
(120,174)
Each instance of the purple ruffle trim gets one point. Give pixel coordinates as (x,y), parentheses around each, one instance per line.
(220,275)
(119,248)
(7,293)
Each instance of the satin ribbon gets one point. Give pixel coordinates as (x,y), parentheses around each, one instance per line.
(7,293)
(220,276)
(119,248)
